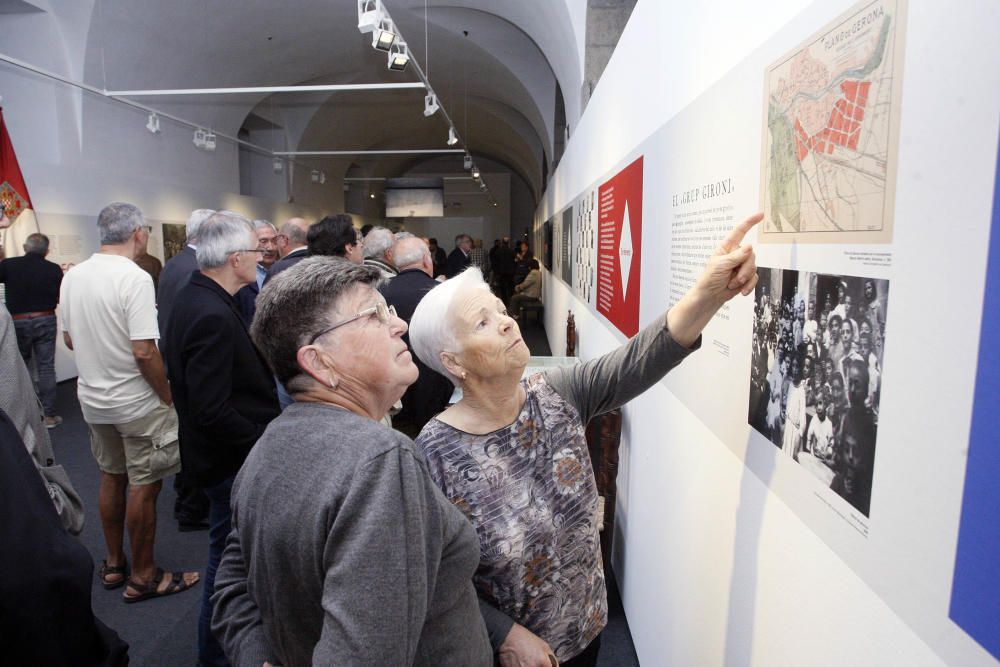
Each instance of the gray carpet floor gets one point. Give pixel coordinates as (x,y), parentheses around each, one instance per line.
(163,631)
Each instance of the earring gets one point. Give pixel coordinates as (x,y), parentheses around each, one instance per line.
(465,376)
(333,384)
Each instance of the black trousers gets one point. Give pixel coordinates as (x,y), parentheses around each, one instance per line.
(191,505)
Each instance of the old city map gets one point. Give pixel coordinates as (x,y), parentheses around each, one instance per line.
(831,134)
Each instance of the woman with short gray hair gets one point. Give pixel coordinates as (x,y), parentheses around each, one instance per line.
(343,550)
(512,453)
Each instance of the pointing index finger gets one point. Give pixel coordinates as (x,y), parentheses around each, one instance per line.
(732,241)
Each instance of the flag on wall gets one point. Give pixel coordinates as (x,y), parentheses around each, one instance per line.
(14,198)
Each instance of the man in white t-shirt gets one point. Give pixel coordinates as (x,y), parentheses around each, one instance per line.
(108,310)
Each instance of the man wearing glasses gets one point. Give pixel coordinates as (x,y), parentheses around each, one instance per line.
(224,391)
(108,318)
(267,243)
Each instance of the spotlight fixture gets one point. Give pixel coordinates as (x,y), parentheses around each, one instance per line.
(468,162)
(369,15)
(475,172)
(153,123)
(482,185)
(318,176)
(452,139)
(371,195)
(204,139)
(431,105)
(399,57)
(278,165)
(383,36)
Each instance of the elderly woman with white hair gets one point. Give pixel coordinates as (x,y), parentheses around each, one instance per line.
(343,551)
(512,454)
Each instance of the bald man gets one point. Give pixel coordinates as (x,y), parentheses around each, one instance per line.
(430,393)
(291,245)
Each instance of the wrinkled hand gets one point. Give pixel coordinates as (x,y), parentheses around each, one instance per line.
(732,268)
(523,648)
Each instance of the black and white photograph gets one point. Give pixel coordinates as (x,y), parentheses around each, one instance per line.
(816,373)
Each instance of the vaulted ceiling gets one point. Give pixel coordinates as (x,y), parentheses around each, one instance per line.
(497,68)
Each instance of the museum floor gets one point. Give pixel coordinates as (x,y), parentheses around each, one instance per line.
(163,632)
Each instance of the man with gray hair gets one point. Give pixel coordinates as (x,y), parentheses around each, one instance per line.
(190,505)
(179,268)
(109,320)
(430,393)
(459,259)
(246,298)
(224,390)
(32,295)
(292,245)
(378,251)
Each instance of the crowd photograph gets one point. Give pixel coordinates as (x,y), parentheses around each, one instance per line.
(816,373)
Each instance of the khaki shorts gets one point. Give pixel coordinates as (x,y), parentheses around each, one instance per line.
(145,448)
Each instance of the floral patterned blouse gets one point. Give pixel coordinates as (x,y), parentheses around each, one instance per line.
(529,491)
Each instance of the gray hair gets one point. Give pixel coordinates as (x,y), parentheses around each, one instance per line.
(117,222)
(296,304)
(409,252)
(295,234)
(404,235)
(36,243)
(220,236)
(377,242)
(260,224)
(194,222)
(431,330)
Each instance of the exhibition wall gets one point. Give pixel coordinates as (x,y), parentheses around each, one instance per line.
(868,133)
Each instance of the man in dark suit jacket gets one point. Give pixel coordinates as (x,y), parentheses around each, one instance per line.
(178,270)
(459,258)
(430,393)
(222,388)
(291,246)
(190,504)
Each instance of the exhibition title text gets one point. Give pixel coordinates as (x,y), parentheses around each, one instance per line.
(716,189)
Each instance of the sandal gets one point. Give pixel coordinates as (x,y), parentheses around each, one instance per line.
(107,570)
(149,590)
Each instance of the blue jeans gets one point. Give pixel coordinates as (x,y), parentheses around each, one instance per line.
(37,337)
(219,524)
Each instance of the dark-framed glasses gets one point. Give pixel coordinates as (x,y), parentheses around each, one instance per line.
(380,310)
(256,250)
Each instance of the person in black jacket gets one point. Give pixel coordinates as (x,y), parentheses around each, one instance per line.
(190,504)
(45,574)
(459,259)
(224,392)
(430,393)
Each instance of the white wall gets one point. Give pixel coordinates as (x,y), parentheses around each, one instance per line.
(714,567)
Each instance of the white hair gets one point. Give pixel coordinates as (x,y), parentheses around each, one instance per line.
(409,252)
(220,236)
(117,222)
(377,242)
(194,222)
(431,330)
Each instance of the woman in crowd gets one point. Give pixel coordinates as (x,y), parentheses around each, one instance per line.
(529,289)
(522,262)
(513,456)
(343,551)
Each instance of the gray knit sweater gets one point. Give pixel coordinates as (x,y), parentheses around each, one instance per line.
(344,552)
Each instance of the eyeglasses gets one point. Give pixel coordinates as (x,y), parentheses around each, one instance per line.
(380,310)
(256,250)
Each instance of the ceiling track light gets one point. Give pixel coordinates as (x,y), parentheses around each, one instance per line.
(278,165)
(204,139)
(468,162)
(369,15)
(384,35)
(153,123)
(452,139)
(431,105)
(399,57)
(475,173)
(318,176)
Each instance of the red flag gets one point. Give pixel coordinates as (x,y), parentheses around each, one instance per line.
(14,198)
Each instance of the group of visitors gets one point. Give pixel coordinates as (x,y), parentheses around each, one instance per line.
(333,538)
